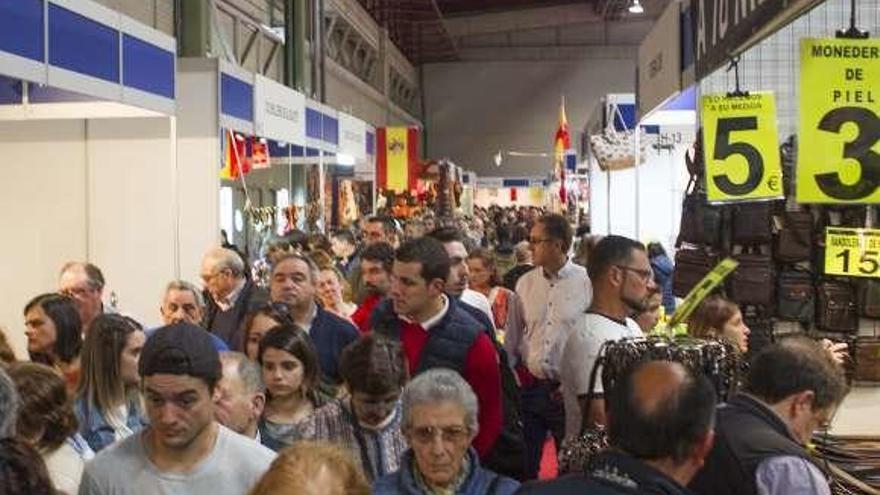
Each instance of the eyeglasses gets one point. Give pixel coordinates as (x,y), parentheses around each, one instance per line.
(450,434)
(77,291)
(645,275)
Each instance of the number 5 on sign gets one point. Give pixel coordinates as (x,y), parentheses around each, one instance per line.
(839,133)
(852,252)
(740,146)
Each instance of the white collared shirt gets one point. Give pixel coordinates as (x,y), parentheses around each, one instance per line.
(553,306)
(434,320)
(230,300)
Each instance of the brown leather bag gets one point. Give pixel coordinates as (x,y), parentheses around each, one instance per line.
(867,359)
(753,280)
(794,241)
(836,308)
(691,265)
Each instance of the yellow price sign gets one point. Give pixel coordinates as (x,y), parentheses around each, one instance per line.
(701,290)
(839,133)
(852,252)
(741,147)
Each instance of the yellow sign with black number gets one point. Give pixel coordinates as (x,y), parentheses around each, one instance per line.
(839,133)
(701,290)
(852,252)
(741,147)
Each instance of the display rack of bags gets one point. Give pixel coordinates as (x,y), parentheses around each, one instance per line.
(780,283)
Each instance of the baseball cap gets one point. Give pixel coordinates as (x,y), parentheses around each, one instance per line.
(181,349)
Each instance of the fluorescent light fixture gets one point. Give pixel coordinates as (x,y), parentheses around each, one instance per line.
(344,159)
(636,8)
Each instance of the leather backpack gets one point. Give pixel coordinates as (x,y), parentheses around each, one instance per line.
(867,359)
(701,222)
(836,308)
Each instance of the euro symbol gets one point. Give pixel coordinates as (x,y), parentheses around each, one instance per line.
(773,183)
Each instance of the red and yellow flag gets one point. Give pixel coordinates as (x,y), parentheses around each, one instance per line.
(232,150)
(562,144)
(397,158)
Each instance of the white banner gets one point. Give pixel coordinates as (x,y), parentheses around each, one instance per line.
(279,112)
(353,137)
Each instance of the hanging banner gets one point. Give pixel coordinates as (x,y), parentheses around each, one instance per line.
(740,147)
(279,112)
(839,132)
(852,252)
(397,160)
(723,28)
(353,137)
(659,74)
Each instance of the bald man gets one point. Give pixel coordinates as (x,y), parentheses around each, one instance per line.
(660,427)
(228,295)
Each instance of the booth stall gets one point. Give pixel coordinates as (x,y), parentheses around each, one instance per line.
(353,173)
(784,99)
(87,130)
(511,191)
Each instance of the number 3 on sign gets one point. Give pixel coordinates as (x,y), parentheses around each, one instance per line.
(852,252)
(839,134)
(740,147)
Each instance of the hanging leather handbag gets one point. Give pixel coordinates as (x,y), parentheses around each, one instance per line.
(751,223)
(795,296)
(701,222)
(836,308)
(794,241)
(867,359)
(869,298)
(691,265)
(752,281)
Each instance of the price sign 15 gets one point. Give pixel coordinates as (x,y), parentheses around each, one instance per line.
(852,252)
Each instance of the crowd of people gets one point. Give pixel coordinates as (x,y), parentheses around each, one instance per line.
(435,357)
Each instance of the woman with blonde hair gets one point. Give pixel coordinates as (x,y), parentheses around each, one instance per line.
(313,468)
(108,403)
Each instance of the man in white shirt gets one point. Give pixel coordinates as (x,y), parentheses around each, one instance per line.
(622,283)
(555,296)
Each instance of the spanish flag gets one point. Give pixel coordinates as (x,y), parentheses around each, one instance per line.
(397,158)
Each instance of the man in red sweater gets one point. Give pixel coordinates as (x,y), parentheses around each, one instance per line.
(376,262)
(436,332)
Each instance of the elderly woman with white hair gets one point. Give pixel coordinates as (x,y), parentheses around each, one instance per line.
(439,423)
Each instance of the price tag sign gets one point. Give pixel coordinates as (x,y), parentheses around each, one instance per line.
(701,290)
(741,147)
(852,252)
(839,134)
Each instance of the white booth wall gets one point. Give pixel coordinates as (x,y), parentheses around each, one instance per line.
(101,190)
(660,182)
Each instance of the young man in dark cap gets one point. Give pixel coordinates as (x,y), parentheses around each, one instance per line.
(184,450)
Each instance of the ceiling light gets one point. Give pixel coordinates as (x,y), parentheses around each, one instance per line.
(636,8)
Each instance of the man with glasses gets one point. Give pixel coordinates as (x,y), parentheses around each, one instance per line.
(228,295)
(622,283)
(84,283)
(793,388)
(555,296)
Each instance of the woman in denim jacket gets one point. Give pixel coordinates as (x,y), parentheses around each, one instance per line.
(108,403)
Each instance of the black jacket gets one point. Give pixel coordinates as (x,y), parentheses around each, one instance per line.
(747,432)
(227,325)
(610,473)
